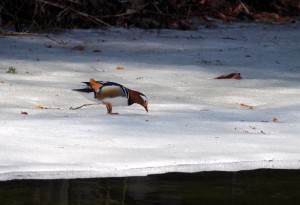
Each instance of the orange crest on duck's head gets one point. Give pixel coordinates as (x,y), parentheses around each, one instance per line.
(139,98)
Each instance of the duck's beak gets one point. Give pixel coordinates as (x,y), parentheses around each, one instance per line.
(146,107)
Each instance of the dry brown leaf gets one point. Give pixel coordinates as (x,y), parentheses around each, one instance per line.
(120,68)
(78,48)
(273,120)
(236,76)
(247,106)
(39,106)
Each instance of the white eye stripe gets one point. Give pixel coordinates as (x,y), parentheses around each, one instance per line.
(144,98)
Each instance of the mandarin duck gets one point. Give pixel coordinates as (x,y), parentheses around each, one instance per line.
(113,94)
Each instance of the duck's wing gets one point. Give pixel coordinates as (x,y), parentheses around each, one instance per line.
(111,90)
(103,90)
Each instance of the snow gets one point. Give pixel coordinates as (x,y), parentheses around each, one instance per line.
(195,122)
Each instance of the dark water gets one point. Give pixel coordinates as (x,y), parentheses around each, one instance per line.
(205,188)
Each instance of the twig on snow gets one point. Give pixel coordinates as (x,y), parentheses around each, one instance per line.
(97,69)
(84,105)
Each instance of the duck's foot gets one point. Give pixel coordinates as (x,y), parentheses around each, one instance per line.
(113,113)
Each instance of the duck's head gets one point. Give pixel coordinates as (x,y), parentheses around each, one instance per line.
(139,98)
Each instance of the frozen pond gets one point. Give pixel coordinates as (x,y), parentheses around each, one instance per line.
(195,122)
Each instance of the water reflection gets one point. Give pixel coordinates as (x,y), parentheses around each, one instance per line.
(247,187)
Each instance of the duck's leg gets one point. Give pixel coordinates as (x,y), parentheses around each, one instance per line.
(109,108)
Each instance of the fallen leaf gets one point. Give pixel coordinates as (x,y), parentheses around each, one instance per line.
(120,68)
(24,113)
(39,106)
(247,106)
(273,120)
(78,48)
(236,76)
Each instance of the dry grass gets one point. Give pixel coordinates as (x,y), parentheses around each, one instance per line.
(49,14)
